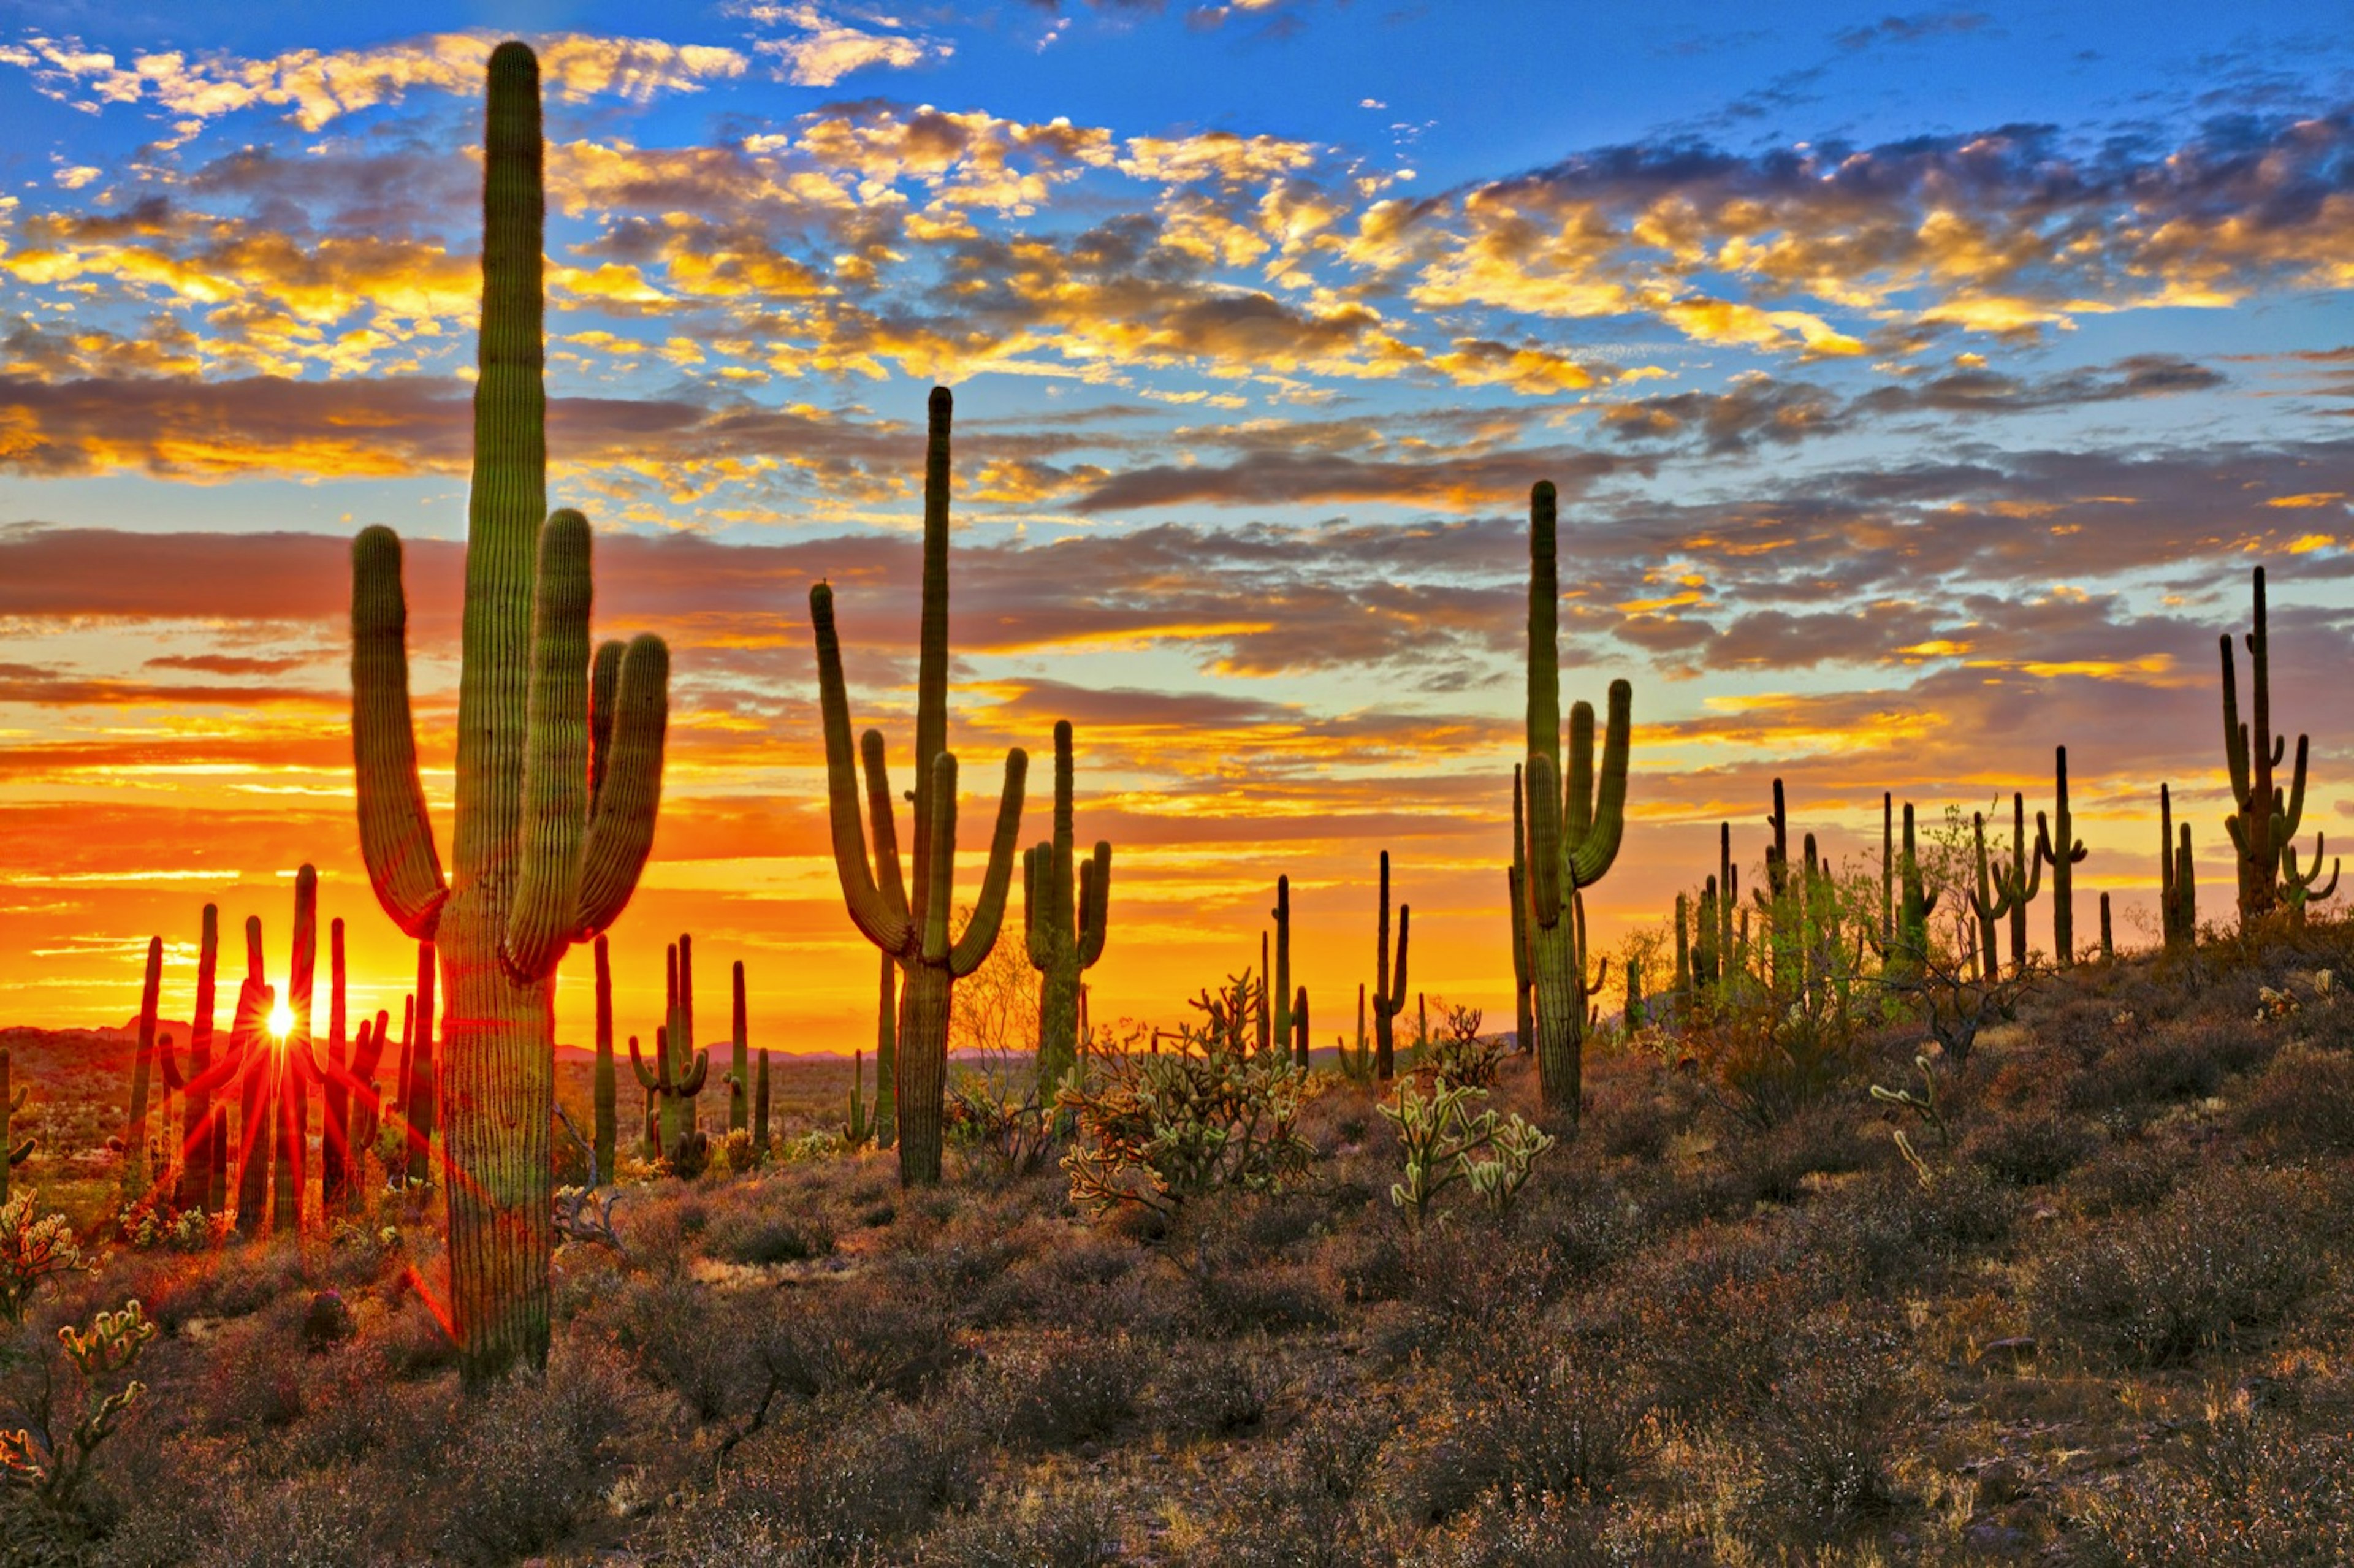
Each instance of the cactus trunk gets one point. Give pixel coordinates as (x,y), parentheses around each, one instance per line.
(334,1091)
(1063,943)
(12,1100)
(887,1055)
(1389,981)
(606,1094)
(135,1128)
(739,1062)
(760,1103)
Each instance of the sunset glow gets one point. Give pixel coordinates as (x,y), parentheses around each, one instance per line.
(1920,389)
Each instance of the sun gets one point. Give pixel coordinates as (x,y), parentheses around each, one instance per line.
(282,1021)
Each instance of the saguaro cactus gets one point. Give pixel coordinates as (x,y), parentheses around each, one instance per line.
(334,1087)
(1062,948)
(1280,1021)
(1299,1029)
(256,1073)
(1887,869)
(914,929)
(12,1102)
(135,1127)
(1525,1009)
(2178,883)
(1573,830)
(739,1062)
(366,1107)
(558,776)
(195,1085)
(1913,913)
(417,1093)
(2018,885)
(2062,857)
(2267,822)
(761,1104)
(1389,980)
(606,1091)
(886,1053)
(294,1147)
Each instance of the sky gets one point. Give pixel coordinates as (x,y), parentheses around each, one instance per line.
(1921,387)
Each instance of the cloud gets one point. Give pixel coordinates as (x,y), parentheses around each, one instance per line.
(826,49)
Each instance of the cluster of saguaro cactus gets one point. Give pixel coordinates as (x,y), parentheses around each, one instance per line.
(907,917)
(679,1071)
(558,773)
(1062,945)
(2178,883)
(1389,979)
(1574,822)
(2057,846)
(2266,822)
(1998,898)
(12,1103)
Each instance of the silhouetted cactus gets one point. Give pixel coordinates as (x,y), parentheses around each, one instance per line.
(1389,980)
(1887,870)
(886,1054)
(761,1104)
(12,1102)
(740,1059)
(256,1068)
(195,1083)
(2018,887)
(1280,1022)
(1062,944)
(1683,953)
(2296,886)
(2178,883)
(292,1150)
(334,1085)
(2069,853)
(1574,828)
(1913,913)
(606,1091)
(558,773)
(1299,1029)
(2265,822)
(135,1128)
(1524,1012)
(2108,934)
(1998,898)
(855,1128)
(366,1107)
(420,1089)
(911,924)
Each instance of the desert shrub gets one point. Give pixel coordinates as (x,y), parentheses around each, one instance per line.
(2029,1151)
(1216,1392)
(2231,1252)
(34,1248)
(1159,1130)
(2243,1489)
(1531,1423)
(1056,1393)
(2126,1176)
(1771,1059)
(532,1459)
(2304,1104)
(1300,1511)
(1504,1531)
(761,1236)
(1636,1127)
(1772,1165)
(1824,1436)
(2186,1059)
(1070,1528)
(1267,1298)
(1891,1226)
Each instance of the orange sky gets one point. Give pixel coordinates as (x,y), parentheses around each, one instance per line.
(1910,421)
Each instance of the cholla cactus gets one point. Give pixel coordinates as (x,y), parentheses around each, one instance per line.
(1156,1130)
(32,1249)
(53,1464)
(1445,1139)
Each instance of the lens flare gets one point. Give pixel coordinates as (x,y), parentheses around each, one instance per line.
(282,1021)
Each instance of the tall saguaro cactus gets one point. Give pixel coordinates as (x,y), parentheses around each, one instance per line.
(1574,828)
(1280,1020)
(2057,845)
(134,1128)
(739,1062)
(1062,948)
(1389,980)
(195,1084)
(911,923)
(558,777)
(2019,885)
(2177,881)
(293,1149)
(1524,1010)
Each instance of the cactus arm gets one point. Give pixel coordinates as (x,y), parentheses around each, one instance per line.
(883,823)
(1544,799)
(1577,803)
(604,689)
(1545,625)
(980,935)
(2286,822)
(1094,904)
(621,832)
(884,922)
(2303,881)
(396,836)
(2236,734)
(691,1084)
(556,752)
(652,1081)
(1037,938)
(1594,853)
(940,876)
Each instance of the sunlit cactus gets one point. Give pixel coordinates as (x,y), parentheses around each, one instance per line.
(1574,820)
(2057,846)
(418,1092)
(558,774)
(680,1070)
(195,1082)
(13,1152)
(1389,979)
(335,1086)
(255,1065)
(1063,944)
(910,923)
(1683,953)
(366,1107)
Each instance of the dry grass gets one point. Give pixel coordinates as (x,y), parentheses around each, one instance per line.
(2113,1330)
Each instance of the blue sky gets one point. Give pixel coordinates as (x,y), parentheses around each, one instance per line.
(1921,386)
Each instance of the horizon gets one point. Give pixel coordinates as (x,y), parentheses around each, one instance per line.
(1921,391)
